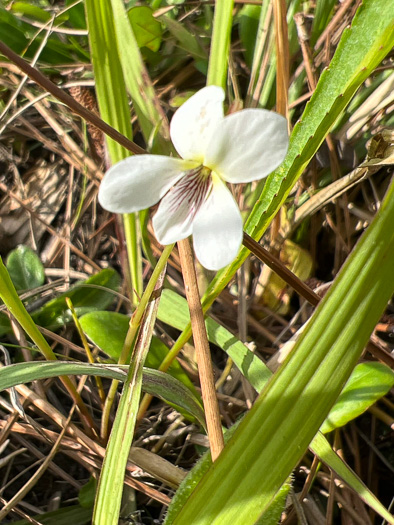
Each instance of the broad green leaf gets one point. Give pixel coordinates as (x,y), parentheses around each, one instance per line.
(368,383)
(155,383)
(147,29)
(185,489)
(108,331)
(25,268)
(95,293)
(173,310)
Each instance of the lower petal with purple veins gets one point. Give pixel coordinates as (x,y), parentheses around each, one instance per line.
(217,228)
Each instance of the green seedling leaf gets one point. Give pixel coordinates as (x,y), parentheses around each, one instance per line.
(185,39)
(25,268)
(368,383)
(87,494)
(93,294)
(108,330)
(147,29)
(155,383)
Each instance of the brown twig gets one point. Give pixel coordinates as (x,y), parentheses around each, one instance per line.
(77,108)
(202,349)
(280,269)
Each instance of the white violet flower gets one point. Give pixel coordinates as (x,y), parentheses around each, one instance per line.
(239,148)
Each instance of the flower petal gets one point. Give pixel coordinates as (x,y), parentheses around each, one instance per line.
(192,124)
(140,181)
(217,228)
(247,145)
(173,220)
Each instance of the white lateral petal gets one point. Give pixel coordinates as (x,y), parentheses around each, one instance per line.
(173,220)
(140,181)
(192,124)
(217,228)
(248,145)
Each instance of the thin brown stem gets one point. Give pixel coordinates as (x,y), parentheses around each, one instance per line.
(89,116)
(280,269)
(203,354)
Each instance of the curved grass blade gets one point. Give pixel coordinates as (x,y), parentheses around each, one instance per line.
(156,383)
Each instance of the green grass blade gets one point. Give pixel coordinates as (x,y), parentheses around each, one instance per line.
(156,383)
(271,437)
(11,299)
(114,109)
(220,45)
(110,488)
(109,80)
(151,117)
(322,448)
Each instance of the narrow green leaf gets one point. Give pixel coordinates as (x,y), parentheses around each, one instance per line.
(248,26)
(173,310)
(114,109)
(110,488)
(153,122)
(187,41)
(109,81)
(25,268)
(322,448)
(155,383)
(31,11)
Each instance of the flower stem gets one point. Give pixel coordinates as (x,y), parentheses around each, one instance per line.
(131,226)
(203,354)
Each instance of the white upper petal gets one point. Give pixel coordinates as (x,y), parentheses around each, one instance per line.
(247,145)
(140,181)
(192,124)
(217,228)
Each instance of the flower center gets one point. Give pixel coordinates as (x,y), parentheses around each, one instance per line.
(191,190)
